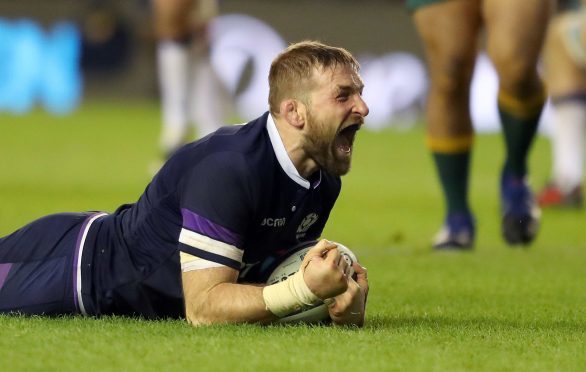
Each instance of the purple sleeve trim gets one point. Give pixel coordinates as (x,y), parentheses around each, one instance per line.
(194,222)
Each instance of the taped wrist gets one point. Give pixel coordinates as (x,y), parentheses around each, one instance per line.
(289,296)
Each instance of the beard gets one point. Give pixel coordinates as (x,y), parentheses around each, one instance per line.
(321,147)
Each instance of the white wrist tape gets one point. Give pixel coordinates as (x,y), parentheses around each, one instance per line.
(289,296)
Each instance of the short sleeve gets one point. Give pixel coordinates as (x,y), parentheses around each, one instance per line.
(215,201)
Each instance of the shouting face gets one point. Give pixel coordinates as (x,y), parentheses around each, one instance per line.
(335,113)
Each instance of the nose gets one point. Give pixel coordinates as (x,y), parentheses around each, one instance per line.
(360,106)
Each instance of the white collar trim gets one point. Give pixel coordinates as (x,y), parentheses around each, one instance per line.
(282,155)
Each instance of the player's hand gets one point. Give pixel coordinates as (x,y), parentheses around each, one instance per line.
(323,270)
(349,307)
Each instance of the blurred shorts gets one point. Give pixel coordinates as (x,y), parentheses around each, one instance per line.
(573,28)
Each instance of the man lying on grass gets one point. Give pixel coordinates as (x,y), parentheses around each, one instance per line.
(216,209)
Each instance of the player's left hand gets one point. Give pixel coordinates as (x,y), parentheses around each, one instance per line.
(349,307)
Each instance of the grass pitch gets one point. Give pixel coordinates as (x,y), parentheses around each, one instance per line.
(496,308)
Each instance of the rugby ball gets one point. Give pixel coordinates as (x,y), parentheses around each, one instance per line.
(289,266)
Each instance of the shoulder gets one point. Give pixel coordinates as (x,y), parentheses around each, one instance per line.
(231,149)
(226,167)
(241,138)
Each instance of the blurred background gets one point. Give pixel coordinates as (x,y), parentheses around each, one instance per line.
(57,54)
(80,117)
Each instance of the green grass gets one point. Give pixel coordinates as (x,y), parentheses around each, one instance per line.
(496,308)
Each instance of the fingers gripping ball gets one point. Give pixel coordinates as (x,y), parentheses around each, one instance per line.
(289,266)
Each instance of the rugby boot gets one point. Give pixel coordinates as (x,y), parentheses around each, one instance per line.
(520,213)
(457,233)
(553,197)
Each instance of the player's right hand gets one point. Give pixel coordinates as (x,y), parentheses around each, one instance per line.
(349,307)
(323,270)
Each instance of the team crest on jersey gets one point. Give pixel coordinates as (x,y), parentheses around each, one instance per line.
(309,220)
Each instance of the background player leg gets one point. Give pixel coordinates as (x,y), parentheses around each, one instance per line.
(449,32)
(174,33)
(515,35)
(173,67)
(183,62)
(209,100)
(565,73)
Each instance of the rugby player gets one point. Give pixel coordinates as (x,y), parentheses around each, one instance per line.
(514,31)
(191,92)
(219,207)
(565,74)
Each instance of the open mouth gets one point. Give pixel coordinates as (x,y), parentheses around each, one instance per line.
(345,138)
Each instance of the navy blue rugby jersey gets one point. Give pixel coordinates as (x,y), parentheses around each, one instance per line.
(233,198)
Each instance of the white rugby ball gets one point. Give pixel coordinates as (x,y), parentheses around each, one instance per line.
(290,266)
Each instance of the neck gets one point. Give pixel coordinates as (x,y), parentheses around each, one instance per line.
(292,138)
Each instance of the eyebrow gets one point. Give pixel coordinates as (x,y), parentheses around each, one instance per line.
(349,88)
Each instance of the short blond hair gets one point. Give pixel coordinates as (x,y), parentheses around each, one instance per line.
(291,71)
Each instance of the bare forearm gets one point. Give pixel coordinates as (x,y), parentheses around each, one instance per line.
(229,303)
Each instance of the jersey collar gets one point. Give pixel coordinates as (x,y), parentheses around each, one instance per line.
(283,157)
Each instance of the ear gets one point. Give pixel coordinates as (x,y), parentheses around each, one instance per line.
(294,112)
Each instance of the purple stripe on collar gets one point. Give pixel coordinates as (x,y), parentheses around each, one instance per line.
(4,270)
(194,222)
(317,182)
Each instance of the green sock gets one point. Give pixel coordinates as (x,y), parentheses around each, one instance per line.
(519,134)
(453,170)
(519,119)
